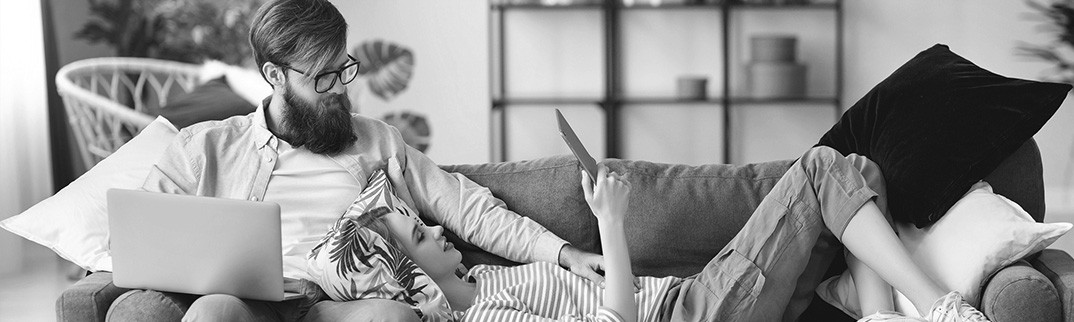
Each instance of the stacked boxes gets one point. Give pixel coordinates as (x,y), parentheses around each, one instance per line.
(773,71)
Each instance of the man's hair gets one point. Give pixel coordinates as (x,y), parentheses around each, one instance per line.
(295,31)
(374,220)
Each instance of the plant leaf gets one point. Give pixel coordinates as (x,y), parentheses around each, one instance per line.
(388,67)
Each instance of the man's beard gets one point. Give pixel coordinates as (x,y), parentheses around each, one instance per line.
(323,128)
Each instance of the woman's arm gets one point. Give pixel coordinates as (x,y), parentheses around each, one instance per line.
(608,200)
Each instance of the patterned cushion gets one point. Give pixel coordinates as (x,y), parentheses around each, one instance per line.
(354,263)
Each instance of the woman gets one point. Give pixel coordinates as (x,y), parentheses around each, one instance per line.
(752,279)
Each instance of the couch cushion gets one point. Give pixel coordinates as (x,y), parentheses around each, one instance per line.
(680,216)
(1020,178)
(547,190)
(213,100)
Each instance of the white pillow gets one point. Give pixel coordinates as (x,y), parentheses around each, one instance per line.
(981,234)
(74,222)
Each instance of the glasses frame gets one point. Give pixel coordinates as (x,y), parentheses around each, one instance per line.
(339,74)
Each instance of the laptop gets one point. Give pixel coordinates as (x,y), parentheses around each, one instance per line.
(196,245)
(576,147)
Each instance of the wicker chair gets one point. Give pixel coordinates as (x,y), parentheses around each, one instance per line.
(109,100)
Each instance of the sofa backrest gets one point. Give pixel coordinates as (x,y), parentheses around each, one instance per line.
(680,216)
(1020,178)
(547,190)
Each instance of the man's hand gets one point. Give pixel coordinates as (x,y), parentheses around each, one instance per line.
(582,263)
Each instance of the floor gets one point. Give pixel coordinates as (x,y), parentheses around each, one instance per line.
(31,295)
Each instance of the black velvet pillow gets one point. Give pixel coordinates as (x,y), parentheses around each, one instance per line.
(939,124)
(213,100)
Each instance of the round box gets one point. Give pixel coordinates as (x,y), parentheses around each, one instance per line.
(776,80)
(773,48)
(692,87)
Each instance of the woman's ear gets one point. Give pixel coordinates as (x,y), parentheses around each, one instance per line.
(273,74)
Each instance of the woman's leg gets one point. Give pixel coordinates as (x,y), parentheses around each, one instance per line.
(874,294)
(869,237)
(757,274)
(754,278)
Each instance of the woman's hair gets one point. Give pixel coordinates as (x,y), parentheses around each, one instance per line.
(374,220)
(295,31)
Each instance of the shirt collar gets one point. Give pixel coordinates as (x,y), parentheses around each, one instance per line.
(262,136)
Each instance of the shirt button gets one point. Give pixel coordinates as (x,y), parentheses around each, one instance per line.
(268,159)
(254,198)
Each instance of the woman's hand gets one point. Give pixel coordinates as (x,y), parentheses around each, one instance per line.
(608,197)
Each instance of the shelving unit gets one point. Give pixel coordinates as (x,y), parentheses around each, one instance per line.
(614,98)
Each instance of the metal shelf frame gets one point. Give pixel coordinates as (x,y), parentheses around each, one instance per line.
(613,97)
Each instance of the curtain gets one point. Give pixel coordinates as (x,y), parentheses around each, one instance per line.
(25,161)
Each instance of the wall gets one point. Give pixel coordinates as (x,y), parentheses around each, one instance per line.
(67,19)
(450,80)
(25,173)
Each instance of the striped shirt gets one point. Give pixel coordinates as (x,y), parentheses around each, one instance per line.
(543,291)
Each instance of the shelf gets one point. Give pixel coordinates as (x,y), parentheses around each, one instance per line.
(664,101)
(612,99)
(538,6)
(644,5)
(793,6)
(735,100)
(546,101)
(806,100)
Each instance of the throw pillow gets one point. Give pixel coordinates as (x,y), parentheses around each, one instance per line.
(354,263)
(74,222)
(939,124)
(981,234)
(213,100)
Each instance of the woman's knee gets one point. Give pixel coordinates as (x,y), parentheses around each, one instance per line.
(820,155)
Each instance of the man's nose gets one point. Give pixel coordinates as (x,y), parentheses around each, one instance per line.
(337,87)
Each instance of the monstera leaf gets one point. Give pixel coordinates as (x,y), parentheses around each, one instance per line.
(387,66)
(412,126)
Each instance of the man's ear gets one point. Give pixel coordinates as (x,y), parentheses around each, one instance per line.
(273,74)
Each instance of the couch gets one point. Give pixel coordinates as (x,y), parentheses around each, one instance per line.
(680,216)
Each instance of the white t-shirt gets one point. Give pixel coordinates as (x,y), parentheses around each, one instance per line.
(313,191)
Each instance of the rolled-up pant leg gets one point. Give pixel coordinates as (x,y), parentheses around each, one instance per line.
(754,277)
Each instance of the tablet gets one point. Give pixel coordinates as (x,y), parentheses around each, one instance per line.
(576,147)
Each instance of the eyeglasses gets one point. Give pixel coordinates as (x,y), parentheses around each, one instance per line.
(324,81)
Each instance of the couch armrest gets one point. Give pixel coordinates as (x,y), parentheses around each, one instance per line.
(1058,266)
(88,299)
(1021,293)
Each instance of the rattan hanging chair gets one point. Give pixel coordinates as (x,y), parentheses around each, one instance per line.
(109,100)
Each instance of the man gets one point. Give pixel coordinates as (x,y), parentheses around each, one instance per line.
(304,150)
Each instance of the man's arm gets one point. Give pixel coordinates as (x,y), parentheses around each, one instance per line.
(176,172)
(470,211)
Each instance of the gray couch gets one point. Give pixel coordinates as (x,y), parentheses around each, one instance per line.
(681,216)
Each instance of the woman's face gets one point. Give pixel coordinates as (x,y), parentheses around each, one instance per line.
(425,245)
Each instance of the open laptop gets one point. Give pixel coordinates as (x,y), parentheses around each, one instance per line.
(576,147)
(196,245)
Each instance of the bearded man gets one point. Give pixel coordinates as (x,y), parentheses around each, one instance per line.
(303,149)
